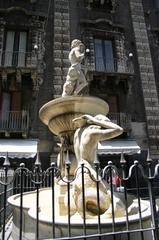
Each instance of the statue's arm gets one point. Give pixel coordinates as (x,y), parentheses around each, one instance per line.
(109,125)
(103,123)
(78,54)
(108,134)
(94,135)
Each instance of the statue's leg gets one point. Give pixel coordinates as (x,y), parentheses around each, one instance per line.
(81,84)
(77,145)
(68,88)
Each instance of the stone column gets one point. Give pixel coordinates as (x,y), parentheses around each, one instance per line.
(1,38)
(120,54)
(147,75)
(61,44)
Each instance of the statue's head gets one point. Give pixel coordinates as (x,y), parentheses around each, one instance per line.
(86,119)
(75,43)
(80,121)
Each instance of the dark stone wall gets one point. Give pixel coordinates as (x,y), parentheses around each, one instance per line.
(38,6)
(151,12)
(39,16)
(122,18)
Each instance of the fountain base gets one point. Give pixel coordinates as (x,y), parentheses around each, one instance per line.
(61,219)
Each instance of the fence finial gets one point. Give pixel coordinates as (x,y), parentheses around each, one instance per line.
(37,161)
(6,161)
(67,161)
(122,158)
(149,159)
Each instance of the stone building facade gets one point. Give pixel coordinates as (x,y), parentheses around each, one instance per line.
(122,42)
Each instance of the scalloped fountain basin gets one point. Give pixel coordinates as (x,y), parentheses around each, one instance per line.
(61,220)
(59,113)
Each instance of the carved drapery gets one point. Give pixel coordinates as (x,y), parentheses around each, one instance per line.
(37,80)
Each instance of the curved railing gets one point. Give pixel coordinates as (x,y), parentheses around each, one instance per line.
(24,180)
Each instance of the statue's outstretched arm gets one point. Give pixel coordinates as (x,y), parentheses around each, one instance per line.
(99,120)
(105,134)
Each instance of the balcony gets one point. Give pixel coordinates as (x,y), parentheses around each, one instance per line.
(122,119)
(113,65)
(14,122)
(18,59)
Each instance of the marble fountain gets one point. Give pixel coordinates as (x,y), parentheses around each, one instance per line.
(80,122)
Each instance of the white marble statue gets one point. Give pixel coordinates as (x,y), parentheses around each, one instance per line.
(90,131)
(75,80)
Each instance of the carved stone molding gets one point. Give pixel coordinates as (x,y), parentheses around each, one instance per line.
(4,78)
(18,76)
(37,80)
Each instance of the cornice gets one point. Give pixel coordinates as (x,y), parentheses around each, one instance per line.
(27,12)
(101,20)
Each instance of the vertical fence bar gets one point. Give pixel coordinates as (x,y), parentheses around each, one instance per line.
(27,182)
(96,163)
(16,183)
(123,162)
(37,170)
(4,202)
(112,198)
(53,197)
(152,200)
(1,190)
(83,199)
(153,210)
(6,164)
(21,199)
(46,183)
(37,211)
(68,163)
(138,197)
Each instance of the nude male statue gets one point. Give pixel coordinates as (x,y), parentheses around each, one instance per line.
(90,131)
(75,80)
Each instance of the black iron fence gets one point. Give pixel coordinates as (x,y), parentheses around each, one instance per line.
(140,211)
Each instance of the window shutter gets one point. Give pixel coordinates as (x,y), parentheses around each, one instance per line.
(109,59)
(99,60)
(22,49)
(9,48)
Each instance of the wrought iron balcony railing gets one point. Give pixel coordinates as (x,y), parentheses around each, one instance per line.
(18,59)
(113,65)
(14,121)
